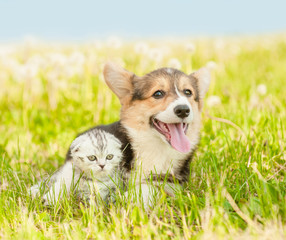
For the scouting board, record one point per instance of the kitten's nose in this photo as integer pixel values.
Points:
(102, 166)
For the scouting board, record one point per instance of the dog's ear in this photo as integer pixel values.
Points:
(203, 77)
(118, 80)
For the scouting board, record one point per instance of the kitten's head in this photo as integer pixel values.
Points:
(96, 153)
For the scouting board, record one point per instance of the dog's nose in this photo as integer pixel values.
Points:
(182, 111)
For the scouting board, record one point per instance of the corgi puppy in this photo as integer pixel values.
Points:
(159, 119)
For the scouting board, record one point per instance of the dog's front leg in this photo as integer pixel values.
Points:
(144, 194)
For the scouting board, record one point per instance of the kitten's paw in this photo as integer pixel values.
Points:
(45, 200)
(34, 191)
(48, 200)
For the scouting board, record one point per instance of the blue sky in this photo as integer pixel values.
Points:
(85, 19)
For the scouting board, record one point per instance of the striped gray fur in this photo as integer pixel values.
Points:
(101, 173)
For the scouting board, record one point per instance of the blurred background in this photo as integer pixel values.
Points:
(52, 55)
(74, 20)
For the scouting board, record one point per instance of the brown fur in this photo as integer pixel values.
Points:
(139, 106)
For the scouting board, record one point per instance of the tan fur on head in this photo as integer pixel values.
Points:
(127, 86)
(131, 89)
(120, 80)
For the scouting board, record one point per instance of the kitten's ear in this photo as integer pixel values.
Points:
(203, 77)
(118, 80)
(74, 147)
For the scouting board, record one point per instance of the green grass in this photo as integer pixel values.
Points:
(237, 188)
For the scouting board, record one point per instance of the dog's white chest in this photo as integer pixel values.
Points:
(154, 155)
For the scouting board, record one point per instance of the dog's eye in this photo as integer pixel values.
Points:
(92, 158)
(158, 94)
(109, 156)
(188, 92)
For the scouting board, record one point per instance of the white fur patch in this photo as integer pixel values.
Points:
(154, 153)
(169, 70)
(169, 116)
(177, 91)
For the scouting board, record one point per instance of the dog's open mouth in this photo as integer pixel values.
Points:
(175, 134)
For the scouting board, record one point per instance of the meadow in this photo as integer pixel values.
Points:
(237, 189)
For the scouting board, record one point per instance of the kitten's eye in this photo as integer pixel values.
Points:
(92, 158)
(109, 156)
(158, 94)
(188, 92)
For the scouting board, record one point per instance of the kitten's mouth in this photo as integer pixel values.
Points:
(174, 133)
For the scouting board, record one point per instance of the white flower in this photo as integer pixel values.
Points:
(141, 47)
(9, 63)
(156, 54)
(174, 63)
(97, 44)
(253, 101)
(31, 41)
(77, 58)
(6, 50)
(37, 61)
(52, 76)
(261, 89)
(25, 72)
(190, 47)
(213, 101)
(57, 59)
(211, 65)
(220, 44)
(114, 42)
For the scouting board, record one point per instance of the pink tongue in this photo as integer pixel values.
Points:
(179, 140)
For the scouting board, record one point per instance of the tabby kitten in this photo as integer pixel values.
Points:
(91, 167)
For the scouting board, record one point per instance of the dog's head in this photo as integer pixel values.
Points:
(166, 102)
